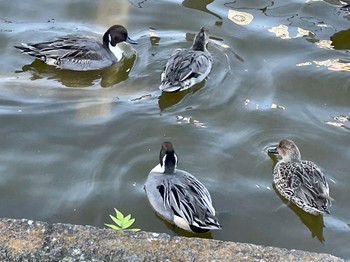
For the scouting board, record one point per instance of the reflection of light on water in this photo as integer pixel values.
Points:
(240, 18)
(88, 110)
(340, 121)
(326, 44)
(273, 105)
(303, 32)
(113, 12)
(152, 33)
(189, 120)
(331, 64)
(224, 45)
(334, 124)
(282, 32)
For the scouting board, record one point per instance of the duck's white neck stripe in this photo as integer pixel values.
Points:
(158, 169)
(164, 157)
(117, 52)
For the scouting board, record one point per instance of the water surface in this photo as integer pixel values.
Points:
(75, 145)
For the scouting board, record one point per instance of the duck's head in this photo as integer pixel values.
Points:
(287, 149)
(201, 40)
(168, 158)
(116, 34)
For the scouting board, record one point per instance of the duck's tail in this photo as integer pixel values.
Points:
(210, 223)
(325, 196)
(169, 87)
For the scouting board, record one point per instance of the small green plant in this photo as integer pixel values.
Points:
(122, 222)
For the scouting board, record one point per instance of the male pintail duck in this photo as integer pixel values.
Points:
(179, 197)
(187, 67)
(345, 7)
(81, 53)
(300, 181)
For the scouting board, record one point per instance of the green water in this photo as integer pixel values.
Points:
(75, 145)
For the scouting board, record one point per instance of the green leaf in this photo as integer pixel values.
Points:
(116, 221)
(128, 223)
(122, 222)
(119, 215)
(115, 227)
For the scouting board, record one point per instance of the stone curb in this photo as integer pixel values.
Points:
(26, 240)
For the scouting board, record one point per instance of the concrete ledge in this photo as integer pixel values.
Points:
(25, 240)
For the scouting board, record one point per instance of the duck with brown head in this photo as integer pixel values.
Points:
(187, 67)
(300, 181)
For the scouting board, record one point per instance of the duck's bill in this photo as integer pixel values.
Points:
(130, 41)
(272, 150)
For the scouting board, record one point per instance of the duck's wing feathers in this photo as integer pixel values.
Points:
(191, 201)
(308, 184)
(69, 48)
(185, 64)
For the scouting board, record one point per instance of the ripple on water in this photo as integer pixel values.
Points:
(72, 154)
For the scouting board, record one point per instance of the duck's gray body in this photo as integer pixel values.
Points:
(80, 53)
(301, 181)
(72, 53)
(181, 199)
(187, 67)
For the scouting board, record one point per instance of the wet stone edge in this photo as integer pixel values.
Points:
(27, 240)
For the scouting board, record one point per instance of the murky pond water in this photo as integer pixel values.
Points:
(75, 145)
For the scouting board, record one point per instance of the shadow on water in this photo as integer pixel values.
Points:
(341, 40)
(254, 5)
(168, 99)
(107, 77)
(181, 232)
(313, 223)
(200, 5)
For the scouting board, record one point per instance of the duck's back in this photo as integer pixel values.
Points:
(72, 52)
(304, 184)
(185, 68)
(154, 186)
(178, 194)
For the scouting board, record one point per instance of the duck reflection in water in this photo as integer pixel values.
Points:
(314, 223)
(166, 99)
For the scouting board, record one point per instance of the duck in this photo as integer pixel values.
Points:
(346, 6)
(301, 182)
(178, 196)
(187, 67)
(80, 53)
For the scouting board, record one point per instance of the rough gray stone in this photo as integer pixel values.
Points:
(26, 240)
